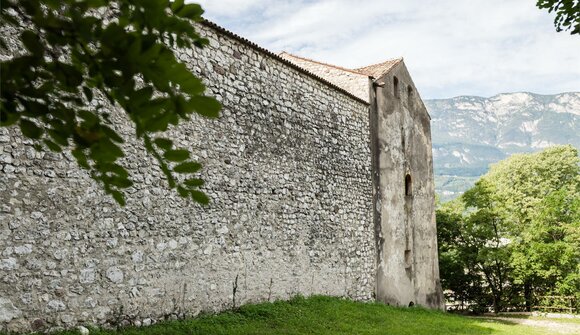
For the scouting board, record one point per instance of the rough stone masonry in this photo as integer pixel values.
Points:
(315, 187)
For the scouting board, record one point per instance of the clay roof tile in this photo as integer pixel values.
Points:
(378, 70)
(289, 55)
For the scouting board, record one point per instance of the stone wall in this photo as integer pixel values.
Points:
(288, 169)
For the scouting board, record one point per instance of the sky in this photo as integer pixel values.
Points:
(451, 47)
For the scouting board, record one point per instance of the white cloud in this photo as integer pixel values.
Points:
(230, 7)
(452, 47)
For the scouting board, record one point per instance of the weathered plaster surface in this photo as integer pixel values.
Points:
(287, 167)
(408, 269)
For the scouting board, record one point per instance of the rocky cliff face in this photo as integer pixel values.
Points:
(469, 133)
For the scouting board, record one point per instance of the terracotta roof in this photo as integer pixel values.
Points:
(277, 57)
(377, 70)
(286, 54)
(354, 82)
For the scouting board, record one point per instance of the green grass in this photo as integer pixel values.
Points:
(326, 315)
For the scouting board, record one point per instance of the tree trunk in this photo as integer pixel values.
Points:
(496, 304)
(528, 295)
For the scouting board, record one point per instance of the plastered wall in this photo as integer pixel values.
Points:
(404, 203)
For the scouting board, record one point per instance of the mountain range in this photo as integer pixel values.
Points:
(469, 133)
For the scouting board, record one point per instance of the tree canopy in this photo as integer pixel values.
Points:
(567, 14)
(516, 232)
(80, 52)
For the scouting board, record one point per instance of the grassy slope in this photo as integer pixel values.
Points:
(324, 315)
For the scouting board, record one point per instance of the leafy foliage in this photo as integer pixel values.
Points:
(459, 274)
(479, 252)
(542, 193)
(517, 231)
(81, 52)
(567, 14)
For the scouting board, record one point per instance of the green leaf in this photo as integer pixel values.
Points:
(105, 151)
(88, 93)
(188, 167)
(177, 5)
(30, 129)
(118, 196)
(114, 168)
(142, 96)
(160, 122)
(190, 11)
(178, 155)
(206, 106)
(150, 53)
(149, 108)
(95, 3)
(120, 182)
(52, 146)
(31, 7)
(72, 75)
(112, 134)
(201, 42)
(32, 43)
(163, 143)
(35, 109)
(188, 83)
(58, 136)
(81, 158)
(63, 113)
(53, 4)
(7, 118)
(111, 37)
(194, 182)
(134, 49)
(91, 118)
(183, 191)
(199, 197)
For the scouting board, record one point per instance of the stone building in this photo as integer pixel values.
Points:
(402, 171)
(321, 181)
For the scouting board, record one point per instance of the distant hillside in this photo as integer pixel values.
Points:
(469, 133)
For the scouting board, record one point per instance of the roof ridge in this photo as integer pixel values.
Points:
(398, 59)
(390, 62)
(322, 63)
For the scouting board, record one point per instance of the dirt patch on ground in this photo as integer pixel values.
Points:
(554, 326)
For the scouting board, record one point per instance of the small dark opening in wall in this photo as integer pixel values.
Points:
(411, 304)
(409, 92)
(408, 260)
(408, 185)
(396, 86)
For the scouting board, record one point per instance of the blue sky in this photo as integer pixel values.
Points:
(451, 47)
